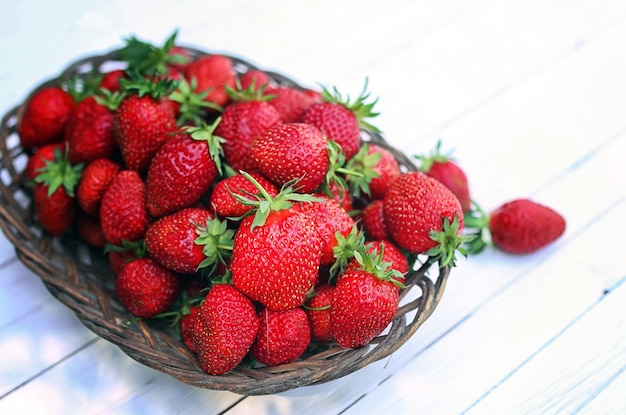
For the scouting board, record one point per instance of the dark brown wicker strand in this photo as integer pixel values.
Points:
(80, 278)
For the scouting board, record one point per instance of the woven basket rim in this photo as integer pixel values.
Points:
(80, 278)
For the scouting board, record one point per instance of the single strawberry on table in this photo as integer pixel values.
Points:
(224, 329)
(519, 226)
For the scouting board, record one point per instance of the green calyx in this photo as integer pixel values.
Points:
(338, 170)
(193, 105)
(344, 251)
(364, 163)
(154, 85)
(109, 99)
(263, 203)
(372, 262)
(436, 156)
(360, 107)
(448, 243)
(137, 248)
(60, 172)
(83, 85)
(217, 241)
(206, 132)
(251, 93)
(148, 58)
(477, 226)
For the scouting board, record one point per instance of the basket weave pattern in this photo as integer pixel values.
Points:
(80, 278)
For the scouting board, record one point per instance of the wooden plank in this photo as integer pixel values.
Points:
(572, 368)
(610, 400)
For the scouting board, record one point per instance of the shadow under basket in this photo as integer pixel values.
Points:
(80, 277)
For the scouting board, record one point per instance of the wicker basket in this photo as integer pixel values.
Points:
(80, 278)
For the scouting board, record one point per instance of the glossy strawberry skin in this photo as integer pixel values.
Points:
(453, 177)
(170, 240)
(294, 151)
(362, 307)
(95, 179)
(56, 212)
(146, 288)
(415, 205)
(111, 80)
(277, 263)
(240, 124)
(187, 323)
(254, 76)
(225, 205)
(140, 126)
(291, 102)
(123, 211)
(318, 312)
(180, 174)
(523, 226)
(89, 132)
(329, 218)
(373, 221)
(338, 124)
(212, 72)
(224, 329)
(283, 336)
(44, 117)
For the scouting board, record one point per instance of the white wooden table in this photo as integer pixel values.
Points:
(531, 95)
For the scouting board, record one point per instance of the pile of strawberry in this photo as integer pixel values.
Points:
(248, 212)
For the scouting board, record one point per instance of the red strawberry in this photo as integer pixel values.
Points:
(365, 301)
(90, 231)
(391, 254)
(121, 255)
(146, 288)
(224, 329)
(143, 122)
(424, 217)
(331, 222)
(290, 102)
(379, 168)
(111, 80)
(96, 178)
(254, 78)
(187, 323)
(276, 252)
(520, 226)
(225, 205)
(170, 240)
(317, 308)
(38, 159)
(340, 119)
(373, 220)
(283, 336)
(182, 170)
(123, 211)
(241, 122)
(444, 169)
(44, 117)
(89, 129)
(295, 151)
(213, 73)
(54, 197)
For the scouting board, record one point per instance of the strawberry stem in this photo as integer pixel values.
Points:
(449, 242)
